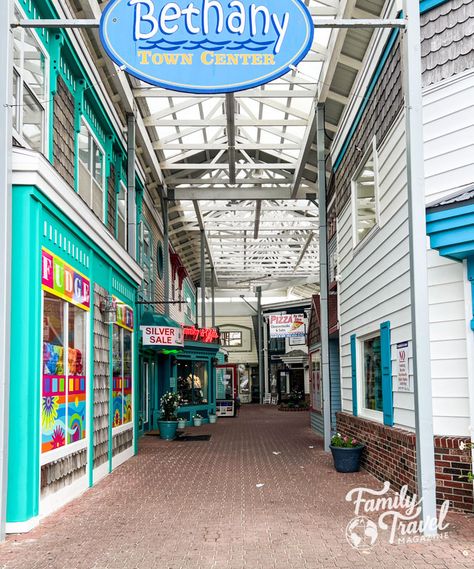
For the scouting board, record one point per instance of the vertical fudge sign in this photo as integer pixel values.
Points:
(207, 46)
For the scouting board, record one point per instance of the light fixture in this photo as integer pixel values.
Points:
(108, 307)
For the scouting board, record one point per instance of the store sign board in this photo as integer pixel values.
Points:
(204, 335)
(207, 46)
(162, 336)
(124, 315)
(62, 280)
(287, 325)
(403, 377)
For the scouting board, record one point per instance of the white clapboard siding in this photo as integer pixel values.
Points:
(247, 354)
(448, 111)
(375, 279)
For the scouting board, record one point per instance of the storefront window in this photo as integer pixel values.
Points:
(316, 391)
(193, 382)
(372, 374)
(122, 376)
(63, 417)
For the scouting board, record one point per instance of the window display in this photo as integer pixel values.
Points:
(316, 391)
(122, 376)
(63, 418)
(373, 374)
(192, 382)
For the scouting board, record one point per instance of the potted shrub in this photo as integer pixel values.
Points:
(212, 418)
(197, 420)
(346, 453)
(168, 423)
(181, 423)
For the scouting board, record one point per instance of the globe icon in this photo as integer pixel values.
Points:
(361, 533)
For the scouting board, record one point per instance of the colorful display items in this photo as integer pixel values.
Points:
(62, 280)
(207, 46)
(204, 335)
(287, 325)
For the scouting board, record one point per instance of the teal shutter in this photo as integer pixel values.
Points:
(354, 374)
(387, 389)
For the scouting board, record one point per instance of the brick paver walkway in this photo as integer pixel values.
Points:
(196, 505)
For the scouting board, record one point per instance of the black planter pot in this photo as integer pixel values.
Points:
(347, 459)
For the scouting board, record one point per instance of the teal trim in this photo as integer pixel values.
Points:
(354, 374)
(387, 386)
(427, 5)
(24, 402)
(111, 398)
(470, 277)
(90, 390)
(451, 231)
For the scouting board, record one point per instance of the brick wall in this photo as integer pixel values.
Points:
(390, 454)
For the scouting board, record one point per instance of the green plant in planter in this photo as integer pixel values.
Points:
(341, 441)
(169, 404)
(467, 446)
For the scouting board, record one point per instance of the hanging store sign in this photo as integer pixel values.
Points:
(207, 46)
(124, 315)
(162, 336)
(205, 335)
(287, 326)
(61, 279)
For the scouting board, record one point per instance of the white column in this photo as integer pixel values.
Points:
(418, 263)
(6, 14)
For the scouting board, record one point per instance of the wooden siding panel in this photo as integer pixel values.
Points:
(63, 133)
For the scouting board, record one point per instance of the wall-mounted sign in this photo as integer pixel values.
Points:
(287, 325)
(403, 377)
(124, 315)
(60, 279)
(162, 336)
(205, 335)
(207, 46)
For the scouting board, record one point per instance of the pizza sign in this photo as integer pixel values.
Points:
(287, 325)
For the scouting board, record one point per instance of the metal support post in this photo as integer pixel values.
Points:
(265, 356)
(6, 14)
(260, 342)
(418, 265)
(203, 279)
(166, 257)
(323, 278)
(213, 297)
(131, 189)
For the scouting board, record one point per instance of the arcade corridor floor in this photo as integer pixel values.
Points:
(260, 494)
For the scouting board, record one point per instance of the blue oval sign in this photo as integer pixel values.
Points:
(207, 46)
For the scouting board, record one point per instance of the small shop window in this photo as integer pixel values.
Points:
(316, 383)
(122, 376)
(193, 382)
(30, 88)
(146, 261)
(122, 215)
(232, 339)
(91, 171)
(364, 196)
(372, 374)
